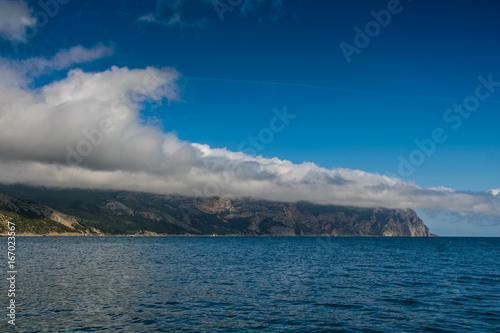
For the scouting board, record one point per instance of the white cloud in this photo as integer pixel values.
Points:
(21, 71)
(67, 58)
(150, 18)
(495, 192)
(85, 131)
(15, 17)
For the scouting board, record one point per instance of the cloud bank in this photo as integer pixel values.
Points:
(85, 131)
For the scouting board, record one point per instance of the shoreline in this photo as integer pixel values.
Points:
(229, 235)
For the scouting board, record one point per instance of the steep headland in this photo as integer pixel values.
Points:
(44, 211)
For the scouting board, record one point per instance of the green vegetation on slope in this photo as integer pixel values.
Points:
(39, 226)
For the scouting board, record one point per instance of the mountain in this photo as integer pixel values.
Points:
(50, 211)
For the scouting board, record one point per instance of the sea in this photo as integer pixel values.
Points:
(250, 284)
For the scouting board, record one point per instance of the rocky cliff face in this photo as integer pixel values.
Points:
(258, 217)
(112, 212)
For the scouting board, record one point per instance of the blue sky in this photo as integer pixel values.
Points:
(363, 115)
(425, 60)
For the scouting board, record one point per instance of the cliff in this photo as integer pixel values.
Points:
(90, 212)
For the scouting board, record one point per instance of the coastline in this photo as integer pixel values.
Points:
(190, 235)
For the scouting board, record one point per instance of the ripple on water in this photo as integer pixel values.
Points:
(227, 284)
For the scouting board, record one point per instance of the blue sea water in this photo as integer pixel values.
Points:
(232, 284)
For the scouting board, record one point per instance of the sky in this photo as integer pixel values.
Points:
(362, 103)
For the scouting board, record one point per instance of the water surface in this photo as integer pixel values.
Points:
(229, 284)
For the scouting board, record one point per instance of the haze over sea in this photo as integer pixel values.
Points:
(229, 284)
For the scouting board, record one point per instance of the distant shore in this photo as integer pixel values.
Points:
(229, 235)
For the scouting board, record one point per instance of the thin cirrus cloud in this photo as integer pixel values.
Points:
(173, 13)
(15, 17)
(85, 131)
(174, 20)
(178, 13)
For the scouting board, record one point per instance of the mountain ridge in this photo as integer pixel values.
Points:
(50, 211)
